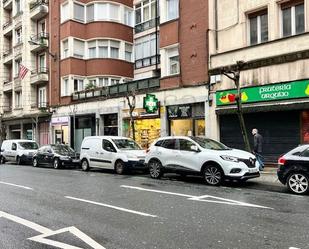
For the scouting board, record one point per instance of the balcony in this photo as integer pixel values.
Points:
(147, 62)
(39, 42)
(7, 56)
(17, 84)
(38, 9)
(39, 76)
(118, 90)
(7, 4)
(147, 25)
(7, 86)
(7, 108)
(7, 28)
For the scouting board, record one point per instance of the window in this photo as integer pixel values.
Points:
(17, 6)
(103, 82)
(65, 14)
(173, 61)
(79, 48)
(293, 19)
(169, 144)
(79, 12)
(101, 11)
(114, 11)
(17, 67)
(18, 35)
(114, 49)
(128, 17)
(108, 146)
(145, 47)
(185, 145)
(65, 90)
(258, 27)
(42, 97)
(78, 85)
(90, 13)
(14, 146)
(92, 49)
(172, 9)
(115, 81)
(145, 11)
(18, 100)
(42, 63)
(128, 52)
(92, 82)
(65, 49)
(103, 48)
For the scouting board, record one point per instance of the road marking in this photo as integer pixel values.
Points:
(46, 232)
(15, 185)
(203, 198)
(113, 207)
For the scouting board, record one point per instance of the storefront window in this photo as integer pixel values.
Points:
(111, 125)
(182, 127)
(146, 131)
(199, 127)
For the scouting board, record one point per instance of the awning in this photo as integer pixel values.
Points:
(265, 107)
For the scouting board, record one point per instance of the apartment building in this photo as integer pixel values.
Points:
(270, 40)
(23, 42)
(107, 49)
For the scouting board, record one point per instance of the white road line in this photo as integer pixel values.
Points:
(110, 206)
(15, 185)
(24, 222)
(202, 198)
(157, 191)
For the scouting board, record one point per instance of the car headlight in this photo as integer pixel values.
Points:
(230, 158)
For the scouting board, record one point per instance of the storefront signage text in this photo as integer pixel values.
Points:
(291, 90)
(183, 111)
(151, 103)
(60, 120)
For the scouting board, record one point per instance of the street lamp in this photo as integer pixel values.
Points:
(38, 44)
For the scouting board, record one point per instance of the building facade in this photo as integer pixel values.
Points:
(84, 57)
(24, 41)
(267, 41)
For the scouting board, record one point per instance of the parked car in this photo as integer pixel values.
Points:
(293, 169)
(111, 152)
(57, 155)
(18, 151)
(202, 156)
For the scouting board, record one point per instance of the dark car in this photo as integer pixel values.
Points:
(293, 169)
(57, 155)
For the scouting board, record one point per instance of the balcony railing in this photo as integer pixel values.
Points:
(41, 70)
(7, 24)
(147, 25)
(7, 53)
(38, 3)
(118, 90)
(41, 38)
(147, 62)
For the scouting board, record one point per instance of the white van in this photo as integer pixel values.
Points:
(111, 152)
(18, 151)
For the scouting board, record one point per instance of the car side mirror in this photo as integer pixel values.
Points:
(110, 149)
(194, 148)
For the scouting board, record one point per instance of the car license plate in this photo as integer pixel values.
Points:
(75, 161)
(253, 170)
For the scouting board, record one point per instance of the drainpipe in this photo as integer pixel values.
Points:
(157, 23)
(216, 25)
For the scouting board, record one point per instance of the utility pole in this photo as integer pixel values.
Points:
(234, 75)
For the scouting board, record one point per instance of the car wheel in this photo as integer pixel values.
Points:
(298, 183)
(56, 163)
(85, 165)
(155, 169)
(213, 175)
(119, 167)
(2, 160)
(18, 160)
(35, 162)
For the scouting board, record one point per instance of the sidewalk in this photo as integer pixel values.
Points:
(269, 176)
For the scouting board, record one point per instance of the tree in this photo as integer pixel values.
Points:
(131, 98)
(2, 129)
(234, 75)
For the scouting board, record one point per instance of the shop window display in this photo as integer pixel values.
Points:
(146, 131)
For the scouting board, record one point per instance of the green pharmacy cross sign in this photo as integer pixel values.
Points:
(281, 91)
(151, 103)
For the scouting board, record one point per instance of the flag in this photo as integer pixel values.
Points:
(22, 71)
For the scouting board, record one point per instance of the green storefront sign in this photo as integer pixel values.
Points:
(290, 90)
(151, 103)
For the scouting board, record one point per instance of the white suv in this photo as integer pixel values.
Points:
(200, 155)
(111, 152)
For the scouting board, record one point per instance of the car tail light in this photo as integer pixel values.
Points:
(281, 161)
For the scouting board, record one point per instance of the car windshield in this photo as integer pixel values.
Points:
(126, 144)
(62, 149)
(210, 144)
(29, 145)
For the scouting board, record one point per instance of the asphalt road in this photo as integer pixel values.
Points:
(45, 208)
